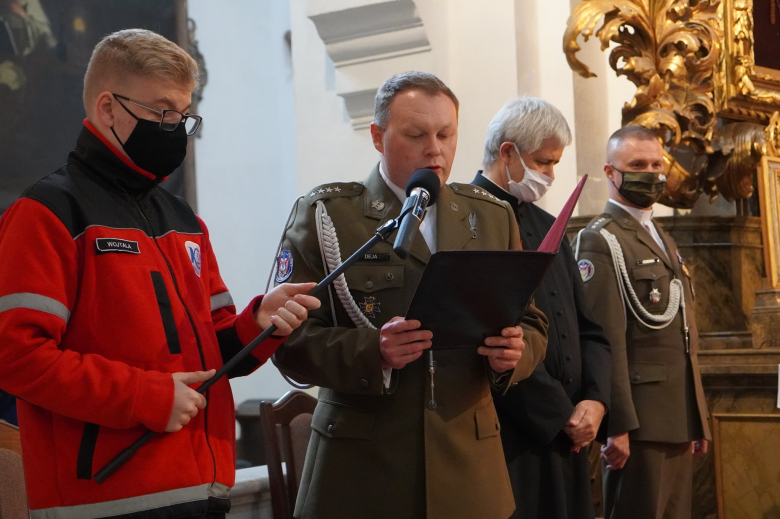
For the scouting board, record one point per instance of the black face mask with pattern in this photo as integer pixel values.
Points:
(153, 149)
(641, 188)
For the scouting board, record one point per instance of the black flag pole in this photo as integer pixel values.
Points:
(381, 234)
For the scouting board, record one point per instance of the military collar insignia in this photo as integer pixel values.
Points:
(376, 204)
(473, 225)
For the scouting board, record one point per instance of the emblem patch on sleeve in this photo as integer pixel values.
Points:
(193, 251)
(586, 269)
(370, 307)
(284, 266)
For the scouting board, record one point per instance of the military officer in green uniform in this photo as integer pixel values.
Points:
(641, 294)
(399, 431)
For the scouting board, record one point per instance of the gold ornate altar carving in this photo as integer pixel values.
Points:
(698, 87)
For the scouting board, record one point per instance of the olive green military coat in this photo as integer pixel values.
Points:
(378, 453)
(656, 386)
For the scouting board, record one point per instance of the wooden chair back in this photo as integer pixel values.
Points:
(13, 493)
(286, 428)
(10, 438)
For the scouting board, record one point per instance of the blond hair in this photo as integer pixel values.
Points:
(139, 53)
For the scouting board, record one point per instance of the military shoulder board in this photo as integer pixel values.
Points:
(477, 192)
(337, 189)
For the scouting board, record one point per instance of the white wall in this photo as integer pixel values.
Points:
(472, 51)
(245, 157)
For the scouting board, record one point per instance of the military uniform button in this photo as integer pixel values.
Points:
(652, 275)
(364, 383)
(553, 293)
(568, 357)
(455, 188)
(559, 313)
(432, 405)
(389, 276)
(637, 378)
(355, 187)
(330, 428)
(564, 336)
(369, 284)
(569, 380)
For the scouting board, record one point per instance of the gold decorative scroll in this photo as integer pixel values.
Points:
(670, 50)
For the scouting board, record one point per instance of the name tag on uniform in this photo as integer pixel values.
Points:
(105, 245)
(376, 256)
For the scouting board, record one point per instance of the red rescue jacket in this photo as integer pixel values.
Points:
(108, 284)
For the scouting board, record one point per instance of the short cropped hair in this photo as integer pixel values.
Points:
(139, 53)
(635, 132)
(412, 80)
(527, 122)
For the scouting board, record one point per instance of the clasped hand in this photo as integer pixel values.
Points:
(402, 342)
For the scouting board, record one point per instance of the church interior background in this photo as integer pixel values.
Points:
(287, 98)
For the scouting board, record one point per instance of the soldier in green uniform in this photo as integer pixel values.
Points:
(641, 294)
(399, 431)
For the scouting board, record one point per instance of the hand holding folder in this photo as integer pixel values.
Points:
(467, 296)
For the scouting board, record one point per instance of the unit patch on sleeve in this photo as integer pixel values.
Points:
(586, 269)
(104, 245)
(193, 251)
(284, 266)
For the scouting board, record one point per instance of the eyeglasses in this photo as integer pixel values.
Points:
(169, 119)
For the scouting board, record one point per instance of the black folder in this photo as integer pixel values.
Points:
(465, 296)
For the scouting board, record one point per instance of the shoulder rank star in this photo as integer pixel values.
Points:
(370, 307)
(655, 296)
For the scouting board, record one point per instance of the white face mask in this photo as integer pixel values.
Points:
(533, 186)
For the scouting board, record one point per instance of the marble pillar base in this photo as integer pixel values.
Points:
(765, 319)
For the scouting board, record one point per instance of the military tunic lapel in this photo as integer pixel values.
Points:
(628, 222)
(452, 221)
(382, 204)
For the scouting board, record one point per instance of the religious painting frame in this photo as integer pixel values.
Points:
(769, 199)
(749, 91)
(45, 46)
(745, 471)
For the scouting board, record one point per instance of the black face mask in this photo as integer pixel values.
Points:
(641, 188)
(152, 148)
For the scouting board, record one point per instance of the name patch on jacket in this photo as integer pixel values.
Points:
(376, 256)
(105, 245)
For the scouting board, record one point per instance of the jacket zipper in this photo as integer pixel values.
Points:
(194, 330)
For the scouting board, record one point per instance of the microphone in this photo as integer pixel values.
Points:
(422, 191)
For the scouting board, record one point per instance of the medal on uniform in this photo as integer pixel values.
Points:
(370, 307)
(655, 296)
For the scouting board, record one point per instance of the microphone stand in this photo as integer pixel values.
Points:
(381, 234)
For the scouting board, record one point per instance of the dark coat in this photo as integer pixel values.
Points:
(549, 481)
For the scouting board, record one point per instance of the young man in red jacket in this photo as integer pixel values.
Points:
(112, 305)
